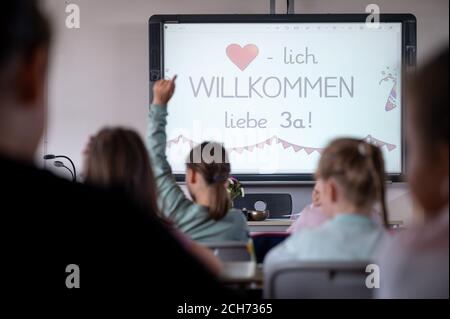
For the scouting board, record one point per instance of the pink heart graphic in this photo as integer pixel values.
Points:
(242, 56)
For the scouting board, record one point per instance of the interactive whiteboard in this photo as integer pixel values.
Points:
(275, 93)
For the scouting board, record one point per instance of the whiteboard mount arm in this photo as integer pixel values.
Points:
(290, 6)
(272, 6)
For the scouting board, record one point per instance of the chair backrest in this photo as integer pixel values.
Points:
(317, 280)
(278, 205)
(231, 251)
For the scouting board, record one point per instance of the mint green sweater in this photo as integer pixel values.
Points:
(190, 218)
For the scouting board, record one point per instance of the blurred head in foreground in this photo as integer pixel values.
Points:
(427, 136)
(117, 157)
(24, 45)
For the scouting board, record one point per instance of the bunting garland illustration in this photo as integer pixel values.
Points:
(275, 140)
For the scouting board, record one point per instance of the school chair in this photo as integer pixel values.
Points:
(317, 280)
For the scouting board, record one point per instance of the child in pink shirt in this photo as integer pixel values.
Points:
(312, 215)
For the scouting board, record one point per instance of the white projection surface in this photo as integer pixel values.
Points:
(276, 94)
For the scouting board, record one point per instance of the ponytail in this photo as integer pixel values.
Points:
(211, 161)
(377, 168)
(220, 201)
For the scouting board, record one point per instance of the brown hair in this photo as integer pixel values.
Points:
(358, 167)
(211, 161)
(117, 157)
(23, 30)
(431, 107)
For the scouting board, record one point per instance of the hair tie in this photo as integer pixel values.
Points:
(362, 149)
(219, 178)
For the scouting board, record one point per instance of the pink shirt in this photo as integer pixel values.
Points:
(311, 216)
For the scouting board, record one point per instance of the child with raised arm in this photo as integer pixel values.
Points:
(208, 217)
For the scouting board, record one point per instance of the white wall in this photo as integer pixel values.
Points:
(99, 73)
(432, 17)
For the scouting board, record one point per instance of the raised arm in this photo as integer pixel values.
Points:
(171, 198)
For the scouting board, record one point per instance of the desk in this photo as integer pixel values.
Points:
(270, 225)
(242, 273)
(281, 225)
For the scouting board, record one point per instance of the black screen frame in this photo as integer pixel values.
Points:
(409, 61)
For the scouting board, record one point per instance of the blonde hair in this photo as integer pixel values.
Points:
(358, 168)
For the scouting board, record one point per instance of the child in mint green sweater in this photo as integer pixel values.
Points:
(209, 217)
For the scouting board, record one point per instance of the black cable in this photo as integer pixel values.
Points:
(73, 165)
(73, 177)
(51, 157)
(60, 164)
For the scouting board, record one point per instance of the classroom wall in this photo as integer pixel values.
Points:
(99, 73)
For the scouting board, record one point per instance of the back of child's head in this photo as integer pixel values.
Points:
(358, 169)
(117, 157)
(210, 160)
